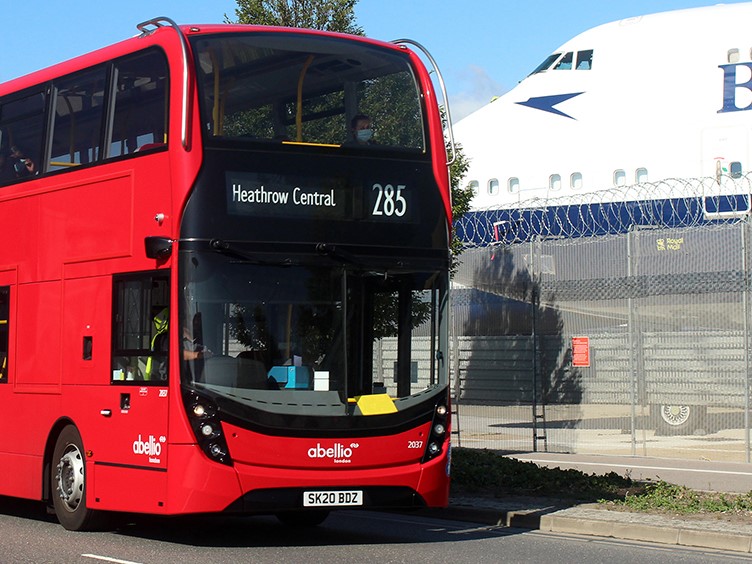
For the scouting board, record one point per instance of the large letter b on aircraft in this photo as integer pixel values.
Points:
(730, 86)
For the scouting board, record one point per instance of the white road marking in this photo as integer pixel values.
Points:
(108, 559)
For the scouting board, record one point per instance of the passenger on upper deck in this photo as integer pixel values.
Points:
(361, 132)
(22, 165)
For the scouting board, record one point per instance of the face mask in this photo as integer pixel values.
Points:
(364, 135)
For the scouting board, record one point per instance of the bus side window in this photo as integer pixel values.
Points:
(4, 331)
(140, 104)
(22, 126)
(79, 107)
(140, 323)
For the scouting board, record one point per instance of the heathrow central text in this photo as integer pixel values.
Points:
(279, 197)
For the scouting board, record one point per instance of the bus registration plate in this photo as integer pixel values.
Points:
(333, 499)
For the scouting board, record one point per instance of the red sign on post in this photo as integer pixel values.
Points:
(580, 351)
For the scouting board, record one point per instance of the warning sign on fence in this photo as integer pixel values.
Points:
(580, 351)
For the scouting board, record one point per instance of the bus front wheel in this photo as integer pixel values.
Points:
(68, 483)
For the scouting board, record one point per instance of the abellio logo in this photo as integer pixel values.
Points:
(338, 453)
(150, 447)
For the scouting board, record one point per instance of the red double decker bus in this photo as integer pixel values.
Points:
(215, 296)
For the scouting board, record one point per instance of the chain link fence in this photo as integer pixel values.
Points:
(617, 324)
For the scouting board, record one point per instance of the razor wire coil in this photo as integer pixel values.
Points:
(669, 203)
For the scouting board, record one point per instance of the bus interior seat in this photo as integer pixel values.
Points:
(220, 370)
(251, 374)
(148, 146)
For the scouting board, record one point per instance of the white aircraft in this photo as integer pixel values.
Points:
(636, 101)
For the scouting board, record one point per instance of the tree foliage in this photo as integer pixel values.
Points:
(327, 15)
(462, 194)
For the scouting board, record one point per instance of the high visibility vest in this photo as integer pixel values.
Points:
(161, 324)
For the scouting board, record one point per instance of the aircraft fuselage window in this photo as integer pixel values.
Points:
(575, 181)
(554, 182)
(493, 187)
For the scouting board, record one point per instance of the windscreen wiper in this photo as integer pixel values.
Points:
(227, 249)
(332, 251)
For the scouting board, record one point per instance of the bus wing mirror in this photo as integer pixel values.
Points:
(158, 247)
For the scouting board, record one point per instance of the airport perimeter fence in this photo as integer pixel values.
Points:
(617, 325)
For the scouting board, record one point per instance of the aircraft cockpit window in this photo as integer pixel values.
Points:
(545, 65)
(565, 63)
(557, 61)
(584, 60)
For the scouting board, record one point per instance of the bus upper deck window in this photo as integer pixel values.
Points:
(79, 107)
(295, 90)
(23, 127)
(140, 116)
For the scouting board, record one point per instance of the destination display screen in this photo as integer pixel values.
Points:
(291, 196)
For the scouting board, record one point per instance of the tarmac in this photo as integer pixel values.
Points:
(700, 531)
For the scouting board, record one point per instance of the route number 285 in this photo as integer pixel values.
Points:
(389, 200)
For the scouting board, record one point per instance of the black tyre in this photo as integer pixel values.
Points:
(310, 518)
(68, 483)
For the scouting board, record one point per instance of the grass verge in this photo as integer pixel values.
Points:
(487, 473)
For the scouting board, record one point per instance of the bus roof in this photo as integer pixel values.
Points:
(159, 37)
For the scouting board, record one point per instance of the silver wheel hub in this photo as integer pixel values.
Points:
(70, 478)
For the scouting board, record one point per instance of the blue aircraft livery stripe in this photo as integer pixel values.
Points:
(547, 103)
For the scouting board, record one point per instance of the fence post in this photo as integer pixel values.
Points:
(456, 386)
(638, 385)
(538, 399)
(744, 226)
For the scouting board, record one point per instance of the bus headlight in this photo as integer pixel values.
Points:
(203, 414)
(438, 434)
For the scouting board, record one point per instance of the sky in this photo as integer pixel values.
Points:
(483, 47)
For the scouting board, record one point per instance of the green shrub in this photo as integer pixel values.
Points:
(670, 498)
